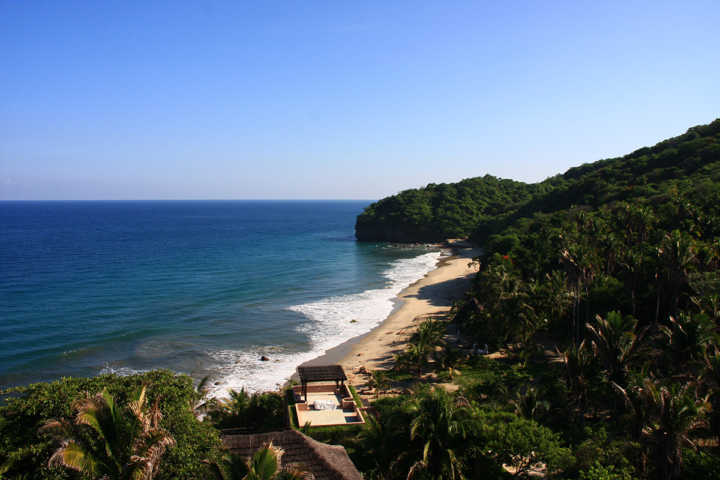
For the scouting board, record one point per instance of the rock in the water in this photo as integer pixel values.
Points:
(264, 359)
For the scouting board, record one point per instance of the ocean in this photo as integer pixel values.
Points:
(198, 287)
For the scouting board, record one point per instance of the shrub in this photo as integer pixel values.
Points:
(25, 452)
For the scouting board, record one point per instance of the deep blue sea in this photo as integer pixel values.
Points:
(199, 287)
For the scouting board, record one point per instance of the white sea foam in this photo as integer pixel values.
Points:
(330, 324)
(121, 371)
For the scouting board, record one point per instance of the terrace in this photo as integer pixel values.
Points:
(324, 403)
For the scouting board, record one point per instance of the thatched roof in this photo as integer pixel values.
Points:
(325, 462)
(321, 373)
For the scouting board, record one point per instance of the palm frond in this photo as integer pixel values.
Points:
(72, 455)
(415, 469)
(264, 463)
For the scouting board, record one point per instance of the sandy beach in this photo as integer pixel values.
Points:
(431, 295)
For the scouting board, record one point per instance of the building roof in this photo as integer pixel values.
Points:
(323, 461)
(321, 373)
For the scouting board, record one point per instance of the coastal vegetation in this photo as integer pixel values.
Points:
(485, 206)
(106, 440)
(440, 211)
(110, 425)
(259, 412)
(263, 465)
(597, 296)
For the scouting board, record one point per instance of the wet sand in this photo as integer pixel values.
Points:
(432, 295)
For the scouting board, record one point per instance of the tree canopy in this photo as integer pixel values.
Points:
(483, 206)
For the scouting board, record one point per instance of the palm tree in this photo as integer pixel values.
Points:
(579, 263)
(663, 416)
(676, 254)
(417, 353)
(383, 440)
(707, 302)
(200, 403)
(229, 467)
(106, 441)
(231, 411)
(429, 332)
(673, 412)
(423, 342)
(686, 338)
(440, 425)
(500, 285)
(528, 404)
(633, 224)
(379, 381)
(529, 318)
(580, 370)
(711, 379)
(263, 465)
(253, 412)
(451, 358)
(615, 342)
(635, 403)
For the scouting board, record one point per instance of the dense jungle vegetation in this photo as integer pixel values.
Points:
(437, 212)
(598, 297)
(479, 207)
(602, 291)
(152, 425)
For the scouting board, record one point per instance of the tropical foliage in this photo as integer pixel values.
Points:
(441, 211)
(105, 424)
(256, 412)
(265, 464)
(600, 289)
(106, 440)
(485, 206)
(598, 295)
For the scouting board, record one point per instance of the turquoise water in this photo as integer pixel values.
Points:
(200, 287)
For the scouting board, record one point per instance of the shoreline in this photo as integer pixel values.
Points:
(432, 294)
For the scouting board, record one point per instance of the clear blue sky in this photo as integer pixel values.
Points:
(269, 99)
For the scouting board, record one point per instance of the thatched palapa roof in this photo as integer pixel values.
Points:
(323, 461)
(321, 373)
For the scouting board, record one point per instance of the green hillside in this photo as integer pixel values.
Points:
(440, 211)
(481, 206)
(598, 293)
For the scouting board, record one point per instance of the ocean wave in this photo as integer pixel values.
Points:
(121, 371)
(331, 321)
(244, 369)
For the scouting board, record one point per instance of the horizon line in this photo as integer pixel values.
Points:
(189, 200)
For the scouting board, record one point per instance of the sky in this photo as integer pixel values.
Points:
(337, 100)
